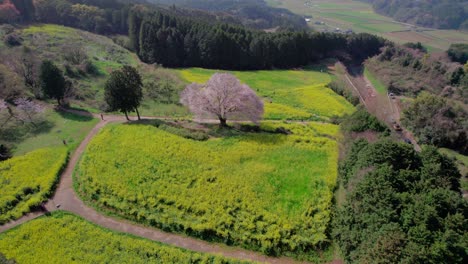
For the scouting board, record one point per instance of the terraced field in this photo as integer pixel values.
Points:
(65, 238)
(288, 94)
(265, 191)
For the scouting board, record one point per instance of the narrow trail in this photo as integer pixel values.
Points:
(65, 198)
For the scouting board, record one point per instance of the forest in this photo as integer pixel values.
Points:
(252, 13)
(402, 206)
(173, 40)
(443, 14)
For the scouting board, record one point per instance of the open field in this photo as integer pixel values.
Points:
(359, 16)
(266, 191)
(65, 238)
(58, 126)
(287, 94)
(27, 181)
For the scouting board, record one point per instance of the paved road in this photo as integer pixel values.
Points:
(65, 198)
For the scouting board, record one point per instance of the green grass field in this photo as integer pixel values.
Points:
(264, 191)
(27, 181)
(287, 94)
(59, 126)
(378, 85)
(65, 238)
(360, 17)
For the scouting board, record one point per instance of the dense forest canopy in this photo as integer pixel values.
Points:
(174, 41)
(253, 13)
(402, 206)
(444, 14)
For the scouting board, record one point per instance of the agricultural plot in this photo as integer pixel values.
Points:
(360, 17)
(287, 94)
(66, 238)
(27, 181)
(265, 191)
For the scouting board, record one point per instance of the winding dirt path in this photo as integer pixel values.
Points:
(65, 198)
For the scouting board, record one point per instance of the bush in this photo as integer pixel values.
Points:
(12, 40)
(361, 121)
(5, 152)
(339, 88)
(458, 52)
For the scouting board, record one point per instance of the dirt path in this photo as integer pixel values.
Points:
(65, 198)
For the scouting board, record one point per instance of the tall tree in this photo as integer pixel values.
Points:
(52, 81)
(123, 91)
(223, 97)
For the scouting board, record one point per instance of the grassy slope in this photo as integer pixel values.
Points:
(65, 238)
(59, 127)
(288, 94)
(379, 86)
(348, 14)
(50, 41)
(247, 189)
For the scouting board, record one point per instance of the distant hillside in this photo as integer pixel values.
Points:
(443, 14)
(253, 13)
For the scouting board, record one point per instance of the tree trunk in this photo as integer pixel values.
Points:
(222, 122)
(126, 115)
(138, 113)
(58, 101)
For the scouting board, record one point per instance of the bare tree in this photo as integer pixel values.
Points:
(28, 110)
(223, 97)
(3, 105)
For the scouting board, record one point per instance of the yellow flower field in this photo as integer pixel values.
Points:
(265, 191)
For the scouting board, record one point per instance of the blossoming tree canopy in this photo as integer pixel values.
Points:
(223, 97)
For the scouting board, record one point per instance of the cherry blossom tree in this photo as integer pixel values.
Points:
(223, 97)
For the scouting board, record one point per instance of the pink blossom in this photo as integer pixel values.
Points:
(223, 97)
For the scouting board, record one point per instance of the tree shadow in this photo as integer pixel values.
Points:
(78, 115)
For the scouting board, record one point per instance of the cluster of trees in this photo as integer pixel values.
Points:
(446, 14)
(98, 16)
(251, 13)
(402, 206)
(409, 71)
(458, 52)
(438, 121)
(173, 41)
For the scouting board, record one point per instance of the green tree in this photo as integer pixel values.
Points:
(52, 81)
(123, 91)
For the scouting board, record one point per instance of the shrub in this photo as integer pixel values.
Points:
(361, 121)
(12, 40)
